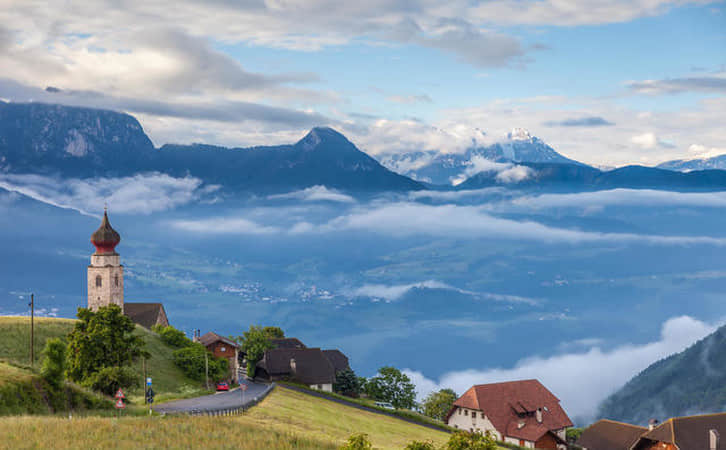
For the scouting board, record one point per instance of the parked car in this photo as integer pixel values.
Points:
(223, 386)
(384, 405)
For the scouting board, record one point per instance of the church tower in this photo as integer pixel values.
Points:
(105, 274)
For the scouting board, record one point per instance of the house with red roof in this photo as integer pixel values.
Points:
(522, 412)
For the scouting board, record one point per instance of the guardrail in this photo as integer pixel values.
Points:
(230, 411)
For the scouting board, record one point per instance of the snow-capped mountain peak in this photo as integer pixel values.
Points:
(519, 134)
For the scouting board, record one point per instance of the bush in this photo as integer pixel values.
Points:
(358, 441)
(53, 369)
(420, 445)
(172, 337)
(109, 379)
(462, 440)
(190, 360)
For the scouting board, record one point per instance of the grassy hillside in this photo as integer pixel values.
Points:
(693, 381)
(22, 391)
(148, 432)
(284, 420)
(168, 381)
(287, 410)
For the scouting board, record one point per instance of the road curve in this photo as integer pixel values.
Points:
(219, 401)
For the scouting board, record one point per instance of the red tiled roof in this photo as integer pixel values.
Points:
(512, 406)
(610, 435)
(211, 337)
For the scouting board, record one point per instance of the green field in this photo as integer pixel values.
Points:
(284, 420)
(168, 381)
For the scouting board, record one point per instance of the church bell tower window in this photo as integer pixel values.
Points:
(115, 280)
(99, 282)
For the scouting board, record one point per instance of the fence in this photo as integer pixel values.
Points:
(229, 411)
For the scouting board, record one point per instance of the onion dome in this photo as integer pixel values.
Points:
(105, 238)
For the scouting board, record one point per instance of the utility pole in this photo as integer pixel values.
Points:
(143, 382)
(32, 329)
(206, 367)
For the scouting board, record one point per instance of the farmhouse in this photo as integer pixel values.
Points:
(223, 347)
(106, 280)
(292, 360)
(685, 433)
(518, 412)
(610, 435)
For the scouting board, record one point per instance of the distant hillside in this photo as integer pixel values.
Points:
(686, 165)
(690, 382)
(578, 177)
(85, 143)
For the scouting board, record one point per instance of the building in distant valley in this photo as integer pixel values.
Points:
(223, 347)
(523, 412)
(106, 280)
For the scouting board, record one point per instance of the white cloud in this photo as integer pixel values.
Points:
(580, 380)
(649, 141)
(220, 225)
(514, 174)
(395, 292)
(316, 194)
(622, 197)
(143, 194)
(698, 151)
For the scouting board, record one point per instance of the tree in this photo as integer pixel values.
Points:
(273, 332)
(462, 440)
(358, 441)
(346, 383)
(254, 342)
(172, 337)
(54, 362)
(437, 404)
(102, 339)
(420, 445)
(109, 379)
(191, 360)
(390, 385)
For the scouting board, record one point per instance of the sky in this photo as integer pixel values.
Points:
(608, 83)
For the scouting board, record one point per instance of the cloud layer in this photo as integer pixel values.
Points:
(581, 380)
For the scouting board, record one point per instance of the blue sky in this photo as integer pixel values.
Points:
(393, 75)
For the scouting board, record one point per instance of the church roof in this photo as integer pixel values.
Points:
(105, 238)
(144, 314)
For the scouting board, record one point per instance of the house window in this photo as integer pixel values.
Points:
(115, 280)
(473, 414)
(466, 412)
(224, 349)
(459, 411)
(99, 281)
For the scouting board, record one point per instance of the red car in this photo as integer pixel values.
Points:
(223, 386)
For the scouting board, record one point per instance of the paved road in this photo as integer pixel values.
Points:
(221, 400)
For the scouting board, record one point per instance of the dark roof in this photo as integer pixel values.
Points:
(144, 314)
(287, 343)
(210, 338)
(610, 435)
(311, 365)
(337, 359)
(687, 433)
(503, 403)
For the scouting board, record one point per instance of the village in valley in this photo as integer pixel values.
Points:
(245, 370)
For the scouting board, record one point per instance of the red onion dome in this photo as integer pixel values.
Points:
(105, 238)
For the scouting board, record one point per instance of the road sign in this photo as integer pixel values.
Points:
(120, 394)
(148, 381)
(243, 387)
(120, 404)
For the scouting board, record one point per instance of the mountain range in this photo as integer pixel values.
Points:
(690, 382)
(686, 165)
(82, 142)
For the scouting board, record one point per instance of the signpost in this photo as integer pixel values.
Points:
(243, 388)
(120, 401)
(149, 394)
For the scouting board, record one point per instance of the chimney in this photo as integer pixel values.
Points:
(713, 439)
(539, 415)
(293, 366)
(652, 423)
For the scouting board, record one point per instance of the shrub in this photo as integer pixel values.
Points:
(420, 445)
(172, 337)
(53, 369)
(358, 441)
(190, 360)
(462, 440)
(109, 379)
